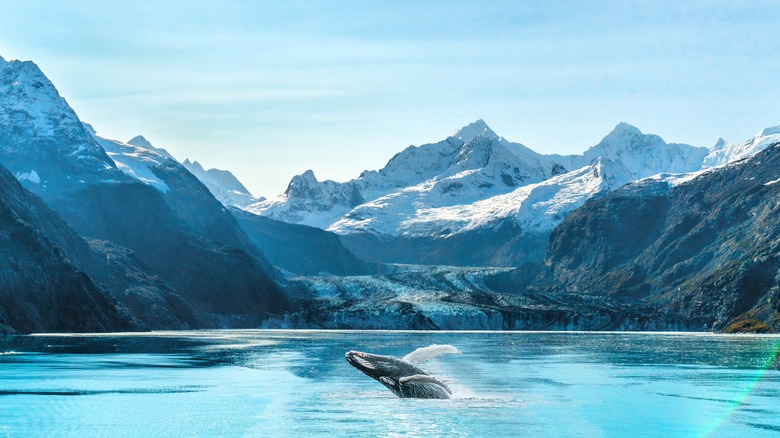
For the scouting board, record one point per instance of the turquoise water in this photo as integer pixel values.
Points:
(285, 383)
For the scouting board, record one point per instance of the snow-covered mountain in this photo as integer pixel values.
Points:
(474, 179)
(42, 141)
(476, 182)
(537, 206)
(646, 154)
(138, 157)
(709, 247)
(723, 152)
(462, 168)
(134, 161)
(223, 185)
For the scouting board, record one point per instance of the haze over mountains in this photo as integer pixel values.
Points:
(474, 231)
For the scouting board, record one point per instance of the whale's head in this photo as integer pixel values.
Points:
(377, 366)
(398, 375)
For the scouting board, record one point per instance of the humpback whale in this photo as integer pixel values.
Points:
(401, 375)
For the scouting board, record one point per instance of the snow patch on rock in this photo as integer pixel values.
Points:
(773, 182)
(31, 176)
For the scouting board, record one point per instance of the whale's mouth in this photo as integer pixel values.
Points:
(375, 365)
(359, 360)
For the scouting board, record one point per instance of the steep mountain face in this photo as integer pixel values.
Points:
(147, 203)
(302, 250)
(150, 299)
(296, 249)
(474, 199)
(42, 288)
(708, 248)
(223, 185)
(42, 141)
(134, 161)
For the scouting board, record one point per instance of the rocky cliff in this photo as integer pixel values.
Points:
(43, 288)
(708, 248)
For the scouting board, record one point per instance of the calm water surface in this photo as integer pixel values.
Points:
(285, 383)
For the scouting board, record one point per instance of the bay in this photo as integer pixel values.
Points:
(297, 383)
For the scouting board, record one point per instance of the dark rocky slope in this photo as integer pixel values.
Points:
(708, 249)
(42, 287)
(228, 285)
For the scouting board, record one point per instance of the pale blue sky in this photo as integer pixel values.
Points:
(270, 89)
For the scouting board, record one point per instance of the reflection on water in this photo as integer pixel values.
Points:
(284, 383)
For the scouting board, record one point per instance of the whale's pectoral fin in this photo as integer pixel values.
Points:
(429, 352)
(422, 378)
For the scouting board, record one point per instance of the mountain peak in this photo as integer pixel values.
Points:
(720, 144)
(193, 165)
(624, 128)
(222, 184)
(309, 175)
(39, 122)
(621, 135)
(770, 131)
(302, 185)
(476, 129)
(140, 141)
(646, 154)
(28, 83)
